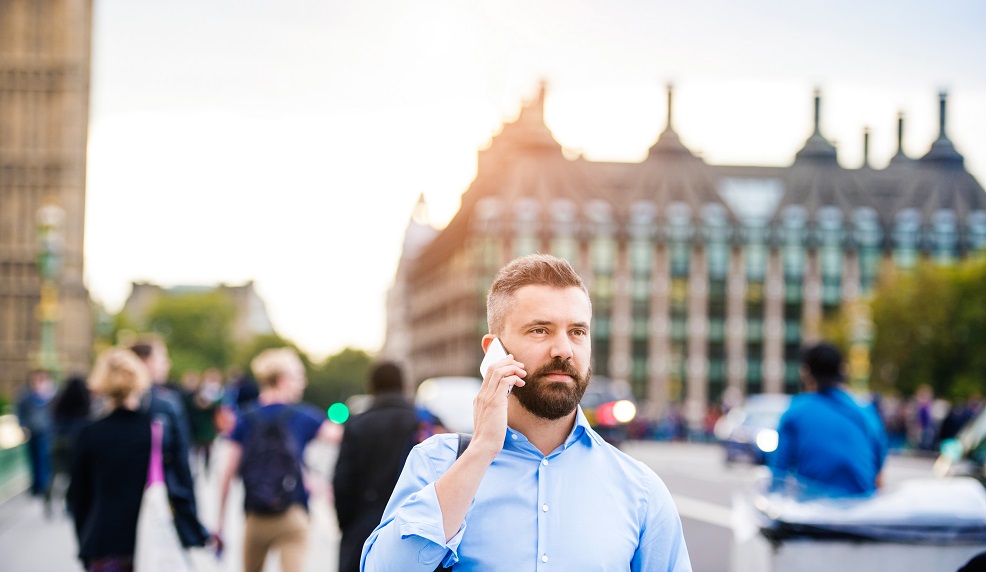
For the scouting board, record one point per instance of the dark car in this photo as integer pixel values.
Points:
(749, 431)
(609, 407)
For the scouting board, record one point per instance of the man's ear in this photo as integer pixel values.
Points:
(487, 340)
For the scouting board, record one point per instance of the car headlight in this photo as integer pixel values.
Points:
(767, 440)
(624, 411)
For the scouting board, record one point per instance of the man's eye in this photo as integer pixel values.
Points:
(579, 332)
(539, 331)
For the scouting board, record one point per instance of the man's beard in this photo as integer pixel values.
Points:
(552, 399)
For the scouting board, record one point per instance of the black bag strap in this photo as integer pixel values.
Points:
(463, 442)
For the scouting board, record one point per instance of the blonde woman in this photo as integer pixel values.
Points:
(109, 467)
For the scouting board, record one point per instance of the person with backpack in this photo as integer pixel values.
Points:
(266, 450)
(374, 446)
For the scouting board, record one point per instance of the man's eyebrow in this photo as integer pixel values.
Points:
(534, 323)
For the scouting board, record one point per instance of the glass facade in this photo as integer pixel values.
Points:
(564, 230)
(641, 254)
(830, 240)
(868, 240)
(755, 251)
(718, 246)
(976, 232)
(602, 257)
(793, 235)
(944, 237)
(679, 243)
(907, 238)
(527, 231)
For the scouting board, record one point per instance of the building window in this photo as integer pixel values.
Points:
(944, 236)
(906, 237)
(868, 236)
(641, 256)
(976, 232)
(564, 230)
(603, 253)
(565, 247)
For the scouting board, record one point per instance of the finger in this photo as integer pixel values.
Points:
(488, 378)
(501, 369)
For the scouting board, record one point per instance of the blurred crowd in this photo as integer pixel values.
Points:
(917, 424)
(52, 414)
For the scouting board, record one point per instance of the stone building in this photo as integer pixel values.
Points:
(44, 110)
(250, 318)
(703, 277)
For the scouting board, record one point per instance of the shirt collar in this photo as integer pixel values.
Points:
(581, 431)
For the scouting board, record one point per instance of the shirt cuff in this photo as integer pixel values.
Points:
(417, 518)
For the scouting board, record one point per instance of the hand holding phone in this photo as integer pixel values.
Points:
(494, 354)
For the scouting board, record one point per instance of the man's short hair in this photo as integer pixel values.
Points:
(386, 377)
(272, 363)
(824, 363)
(530, 270)
(118, 373)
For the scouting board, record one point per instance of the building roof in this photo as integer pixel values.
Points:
(524, 167)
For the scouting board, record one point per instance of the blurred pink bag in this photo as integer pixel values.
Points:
(158, 548)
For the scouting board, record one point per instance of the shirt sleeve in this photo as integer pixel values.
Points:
(411, 534)
(662, 540)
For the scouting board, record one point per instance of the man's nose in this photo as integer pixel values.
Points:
(561, 346)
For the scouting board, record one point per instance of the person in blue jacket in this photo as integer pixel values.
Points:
(829, 444)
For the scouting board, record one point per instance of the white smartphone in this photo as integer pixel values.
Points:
(494, 354)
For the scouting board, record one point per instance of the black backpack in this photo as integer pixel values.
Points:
(271, 464)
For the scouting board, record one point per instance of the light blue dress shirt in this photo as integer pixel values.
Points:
(586, 506)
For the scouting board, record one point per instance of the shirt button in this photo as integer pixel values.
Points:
(513, 436)
(544, 508)
(544, 462)
(544, 558)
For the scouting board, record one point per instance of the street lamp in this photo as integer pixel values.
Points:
(50, 219)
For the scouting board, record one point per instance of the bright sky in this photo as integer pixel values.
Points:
(286, 141)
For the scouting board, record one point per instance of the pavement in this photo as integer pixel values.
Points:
(32, 541)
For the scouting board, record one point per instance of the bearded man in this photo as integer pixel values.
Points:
(537, 488)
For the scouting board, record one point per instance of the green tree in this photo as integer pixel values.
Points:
(931, 329)
(198, 328)
(340, 376)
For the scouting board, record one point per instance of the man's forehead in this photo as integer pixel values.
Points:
(548, 304)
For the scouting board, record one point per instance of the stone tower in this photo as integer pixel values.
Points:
(45, 50)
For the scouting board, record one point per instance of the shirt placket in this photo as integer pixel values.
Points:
(543, 511)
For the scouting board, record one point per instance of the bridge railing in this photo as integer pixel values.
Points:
(14, 472)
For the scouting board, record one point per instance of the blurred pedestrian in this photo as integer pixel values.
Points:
(924, 428)
(828, 442)
(34, 416)
(166, 406)
(110, 463)
(375, 445)
(70, 413)
(266, 449)
(241, 390)
(202, 402)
